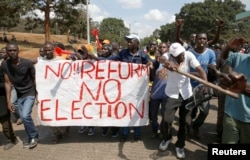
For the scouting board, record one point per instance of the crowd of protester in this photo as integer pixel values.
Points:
(169, 90)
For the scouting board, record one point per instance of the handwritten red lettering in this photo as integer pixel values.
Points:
(74, 109)
(99, 70)
(43, 109)
(87, 68)
(116, 85)
(57, 109)
(84, 85)
(56, 73)
(112, 70)
(95, 91)
(117, 108)
(145, 68)
(83, 111)
(136, 70)
(131, 107)
(101, 108)
(66, 70)
(121, 73)
(109, 113)
(94, 70)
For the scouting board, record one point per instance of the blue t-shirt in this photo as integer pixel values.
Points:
(205, 58)
(239, 108)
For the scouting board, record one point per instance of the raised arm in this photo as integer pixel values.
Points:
(235, 82)
(178, 24)
(220, 24)
(233, 44)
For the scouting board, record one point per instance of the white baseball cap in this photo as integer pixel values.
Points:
(176, 49)
(132, 36)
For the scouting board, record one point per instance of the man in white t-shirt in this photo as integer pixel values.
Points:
(179, 93)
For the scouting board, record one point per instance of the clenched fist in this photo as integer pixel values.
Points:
(235, 82)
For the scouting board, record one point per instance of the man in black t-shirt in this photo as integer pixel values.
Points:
(20, 73)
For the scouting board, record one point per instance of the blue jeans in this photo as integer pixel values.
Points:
(25, 106)
(137, 131)
(154, 105)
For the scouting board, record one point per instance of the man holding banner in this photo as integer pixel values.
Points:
(50, 57)
(132, 55)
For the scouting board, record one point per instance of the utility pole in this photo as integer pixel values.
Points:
(56, 27)
(87, 7)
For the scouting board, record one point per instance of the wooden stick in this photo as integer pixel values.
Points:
(218, 88)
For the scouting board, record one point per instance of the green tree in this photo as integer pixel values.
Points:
(167, 32)
(64, 11)
(32, 23)
(72, 19)
(200, 17)
(10, 12)
(113, 29)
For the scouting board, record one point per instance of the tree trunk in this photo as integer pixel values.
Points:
(47, 21)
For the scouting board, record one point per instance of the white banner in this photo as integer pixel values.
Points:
(87, 93)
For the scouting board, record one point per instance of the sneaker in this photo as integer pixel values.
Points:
(82, 130)
(115, 134)
(26, 144)
(10, 144)
(91, 132)
(180, 152)
(104, 133)
(33, 143)
(164, 144)
(19, 121)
